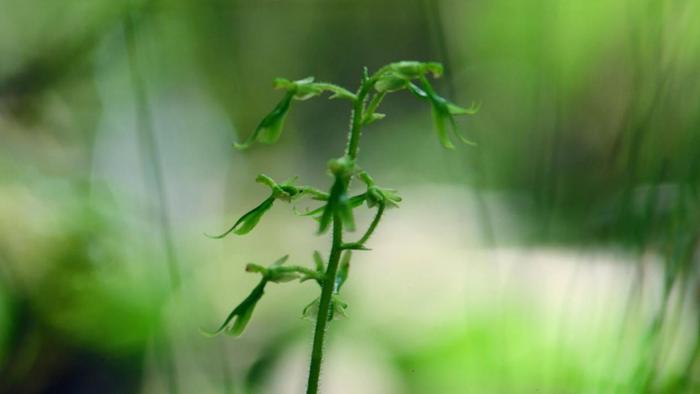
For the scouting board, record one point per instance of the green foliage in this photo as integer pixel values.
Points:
(270, 128)
(237, 320)
(337, 212)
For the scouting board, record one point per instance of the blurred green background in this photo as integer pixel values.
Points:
(560, 255)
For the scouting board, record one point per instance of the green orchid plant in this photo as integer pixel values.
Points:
(336, 209)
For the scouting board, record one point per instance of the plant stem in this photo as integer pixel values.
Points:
(373, 225)
(149, 152)
(324, 307)
(153, 168)
(356, 122)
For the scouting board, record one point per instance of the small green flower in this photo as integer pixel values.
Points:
(338, 201)
(338, 204)
(277, 272)
(442, 112)
(286, 191)
(377, 195)
(303, 89)
(343, 271)
(390, 82)
(337, 310)
(238, 319)
(270, 128)
(306, 88)
(397, 76)
(249, 220)
(380, 196)
(413, 69)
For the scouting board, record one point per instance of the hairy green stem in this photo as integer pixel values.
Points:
(324, 307)
(356, 122)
